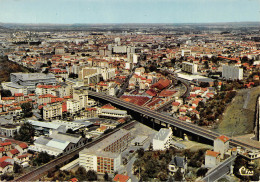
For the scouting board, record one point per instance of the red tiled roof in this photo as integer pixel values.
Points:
(23, 145)
(14, 151)
(4, 164)
(4, 158)
(18, 94)
(175, 103)
(223, 138)
(161, 84)
(108, 106)
(74, 180)
(121, 178)
(151, 92)
(22, 156)
(6, 143)
(212, 153)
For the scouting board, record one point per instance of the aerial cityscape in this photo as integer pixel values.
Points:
(130, 91)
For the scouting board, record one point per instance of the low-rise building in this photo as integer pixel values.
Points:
(178, 163)
(221, 145)
(212, 158)
(162, 139)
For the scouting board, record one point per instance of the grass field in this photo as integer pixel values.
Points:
(236, 119)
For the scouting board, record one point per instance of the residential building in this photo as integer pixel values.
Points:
(52, 111)
(106, 155)
(232, 72)
(212, 158)
(189, 67)
(221, 145)
(178, 163)
(162, 139)
(81, 94)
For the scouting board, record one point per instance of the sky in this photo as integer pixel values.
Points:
(128, 11)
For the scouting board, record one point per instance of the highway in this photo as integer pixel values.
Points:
(192, 128)
(220, 170)
(38, 172)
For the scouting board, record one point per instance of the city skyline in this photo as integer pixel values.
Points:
(126, 11)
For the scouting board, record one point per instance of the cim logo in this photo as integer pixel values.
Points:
(245, 172)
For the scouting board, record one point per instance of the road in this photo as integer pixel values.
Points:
(200, 131)
(221, 170)
(129, 169)
(38, 172)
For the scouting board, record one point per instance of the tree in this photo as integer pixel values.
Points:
(27, 109)
(140, 152)
(17, 168)
(6, 93)
(202, 171)
(42, 158)
(81, 173)
(25, 133)
(106, 177)
(178, 176)
(49, 63)
(91, 175)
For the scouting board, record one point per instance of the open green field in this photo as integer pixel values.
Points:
(239, 116)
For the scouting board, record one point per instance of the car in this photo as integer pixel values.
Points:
(131, 151)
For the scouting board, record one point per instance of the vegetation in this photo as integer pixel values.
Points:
(42, 158)
(154, 164)
(17, 168)
(8, 67)
(6, 93)
(214, 107)
(25, 133)
(239, 116)
(27, 109)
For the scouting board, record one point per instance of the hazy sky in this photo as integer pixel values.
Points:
(128, 11)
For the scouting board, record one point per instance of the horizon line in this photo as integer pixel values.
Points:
(127, 23)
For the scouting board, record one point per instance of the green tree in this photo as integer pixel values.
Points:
(17, 168)
(202, 171)
(42, 158)
(27, 109)
(178, 176)
(140, 152)
(91, 175)
(25, 133)
(106, 177)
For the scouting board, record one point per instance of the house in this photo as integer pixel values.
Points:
(178, 163)
(6, 167)
(212, 159)
(6, 145)
(7, 159)
(221, 145)
(22, 158)
(122, 178)
(22, 148)
(12, 153)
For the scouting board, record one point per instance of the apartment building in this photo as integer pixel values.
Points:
(106, 155)
(232, 72)
(189, 67)
(162, 139)
(52, 111)
(81, 94)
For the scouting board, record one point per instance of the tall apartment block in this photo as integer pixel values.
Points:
(106, 155)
